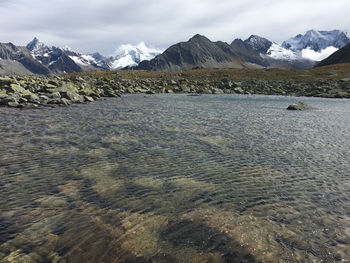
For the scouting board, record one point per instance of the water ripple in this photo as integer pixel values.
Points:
(176, 179)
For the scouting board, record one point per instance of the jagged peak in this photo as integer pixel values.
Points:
(31, 45)
(197, 37)
(258, 43)
(35, 44)
(256, 38)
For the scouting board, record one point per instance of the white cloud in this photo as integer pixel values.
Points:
(308, 53)
(91, 25)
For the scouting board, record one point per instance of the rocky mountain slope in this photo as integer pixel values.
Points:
(19, 59)
(198, 52)
(38, 58)
(340, 56)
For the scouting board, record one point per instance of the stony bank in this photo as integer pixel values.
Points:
(37, 91)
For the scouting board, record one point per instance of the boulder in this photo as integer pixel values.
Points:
(72, 96)
(53, 83)
(130, 90)
(217, 91)
(3, 94)
(172, 82)
(238, 90)
(55, 95)
(13, 104)
(6, 81)
(204, 91)
(88, 99)
(300, 106)
(12, 99)
(185, 89)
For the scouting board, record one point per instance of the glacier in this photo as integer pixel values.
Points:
(276, 51)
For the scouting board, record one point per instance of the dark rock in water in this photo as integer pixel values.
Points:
(300, 106)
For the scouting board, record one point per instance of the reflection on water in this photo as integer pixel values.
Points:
(172, 178)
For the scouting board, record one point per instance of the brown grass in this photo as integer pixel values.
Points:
(334, 72)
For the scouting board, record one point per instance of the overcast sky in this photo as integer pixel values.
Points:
(102, 25)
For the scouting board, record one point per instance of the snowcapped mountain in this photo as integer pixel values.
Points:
(302, 51)
(64, 59)
(313, 46)
(317, 40)
(130, 55)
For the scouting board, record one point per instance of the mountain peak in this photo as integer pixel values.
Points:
(258, 43)
(198, 37)
(31, 45)
(35, 45)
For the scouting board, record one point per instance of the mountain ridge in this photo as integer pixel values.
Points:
(197, 52)
(299, 52)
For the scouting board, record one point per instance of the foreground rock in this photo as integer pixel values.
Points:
(300, 106)
(34, 91)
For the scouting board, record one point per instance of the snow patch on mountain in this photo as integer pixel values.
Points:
(276, 51)
(79, 60)
(132, 55)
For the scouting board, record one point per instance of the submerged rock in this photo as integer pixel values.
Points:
(300, 106)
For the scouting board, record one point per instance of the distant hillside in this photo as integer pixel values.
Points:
(198, 52)
(340, 56)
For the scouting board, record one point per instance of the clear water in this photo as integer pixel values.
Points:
(174, 178)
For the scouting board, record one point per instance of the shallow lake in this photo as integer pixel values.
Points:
(176, 178)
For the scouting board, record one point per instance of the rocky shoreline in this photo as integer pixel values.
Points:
(37, 91)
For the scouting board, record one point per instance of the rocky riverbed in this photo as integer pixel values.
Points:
(36, 91)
